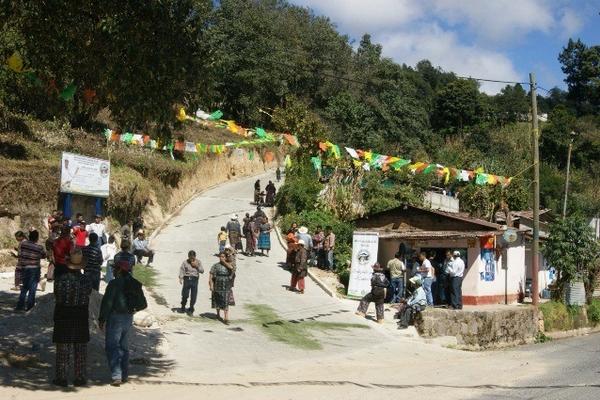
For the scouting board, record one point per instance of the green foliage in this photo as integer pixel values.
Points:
(385, 190)
(581, 64)
(573, 251)
(300, 190)
(593, 312)
(512, 104)
(458, 106)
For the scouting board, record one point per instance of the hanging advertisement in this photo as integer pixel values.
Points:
(84, 175)
(364, 255)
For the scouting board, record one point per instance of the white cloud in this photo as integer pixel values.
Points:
(497, 20)
(570, 22)
(443, 48)
(357, 17)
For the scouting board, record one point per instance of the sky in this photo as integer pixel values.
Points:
(495, 39)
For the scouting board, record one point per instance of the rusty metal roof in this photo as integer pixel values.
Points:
(423, 235)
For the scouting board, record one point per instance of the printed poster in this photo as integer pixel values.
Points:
(84, 175)
(364, 255)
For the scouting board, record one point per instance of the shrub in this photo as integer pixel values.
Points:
(559, 317)
(593, 312)
(300, 191)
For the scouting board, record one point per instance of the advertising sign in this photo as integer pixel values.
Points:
(84, 175)
(364, 255)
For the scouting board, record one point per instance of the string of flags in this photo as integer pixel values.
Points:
(370, 160)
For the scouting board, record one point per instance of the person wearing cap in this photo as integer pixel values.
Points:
(303, 235)
(71, 327)
(379, 285)
(98, 228)
(299, 269)
(413, 305)
(116, 318)
(189, 273)
(456, 273)
(234, 232)
(141, 248)
(219, 283)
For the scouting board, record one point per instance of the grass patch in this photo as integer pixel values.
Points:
(593, 312)
(146, 275)
(559, 317)
(296, 334)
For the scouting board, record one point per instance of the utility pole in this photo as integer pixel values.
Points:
(535, 248)
(564, 213)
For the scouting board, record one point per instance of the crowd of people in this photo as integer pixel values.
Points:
(429, 283)
(76, 252)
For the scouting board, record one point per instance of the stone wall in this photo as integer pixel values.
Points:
(483, 329)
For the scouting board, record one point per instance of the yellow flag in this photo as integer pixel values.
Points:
(181, 115)
(15, 62)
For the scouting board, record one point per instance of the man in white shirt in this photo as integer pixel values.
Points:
(427, 274)
(98, 228)
(456, 272)
(108, 254)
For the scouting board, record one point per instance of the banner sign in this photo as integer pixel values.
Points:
(364, 254)
(84, 175)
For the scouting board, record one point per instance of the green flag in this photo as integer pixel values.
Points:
(68, 92)
(316, 162)
(399, 164)
(260, 132)
(481, 179)
(215, 116)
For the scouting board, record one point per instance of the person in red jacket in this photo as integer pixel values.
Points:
(80, 234)
(61, 248)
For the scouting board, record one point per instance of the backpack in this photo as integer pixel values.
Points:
(134, 295)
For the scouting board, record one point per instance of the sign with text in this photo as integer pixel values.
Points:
(84, 175)
(364, 254)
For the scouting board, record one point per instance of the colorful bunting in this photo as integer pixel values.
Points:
(260, 132)
(215, 116)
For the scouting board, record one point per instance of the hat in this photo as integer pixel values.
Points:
(233, 216)
(456, 253)
(377, 267)
(415, 280)
(303, 230)
(301, 242)
(140, 231)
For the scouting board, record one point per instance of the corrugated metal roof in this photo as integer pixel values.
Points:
(390, 234)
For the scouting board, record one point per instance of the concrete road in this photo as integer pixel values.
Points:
(248, 359)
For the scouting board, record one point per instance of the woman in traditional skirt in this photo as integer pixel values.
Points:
(231, 264)
(71, 327)
(264, 237)
(292, 246)
(219, 282)
(234, 231)
(249, 235)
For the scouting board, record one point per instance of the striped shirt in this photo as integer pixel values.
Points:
(30, 254)
(93, 258)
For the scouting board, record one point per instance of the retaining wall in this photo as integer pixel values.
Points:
(478, 330)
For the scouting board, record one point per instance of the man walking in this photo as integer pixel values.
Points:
(93, 261)
(397, 270)
(456, 273)
(189, 273)
(30, 255)
(116, 318)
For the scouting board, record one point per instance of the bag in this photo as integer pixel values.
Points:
(50, 273)
(134, 295)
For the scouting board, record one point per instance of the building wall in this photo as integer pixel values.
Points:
(475, 290)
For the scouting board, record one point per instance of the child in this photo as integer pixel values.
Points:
(222, 239)
(379, 284)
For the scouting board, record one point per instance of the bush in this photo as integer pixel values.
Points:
(559, 317)
(593, 312)
(300, 191)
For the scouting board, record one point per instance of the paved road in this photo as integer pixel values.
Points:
(243, 361)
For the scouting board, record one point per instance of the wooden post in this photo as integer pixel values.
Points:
(535, 248)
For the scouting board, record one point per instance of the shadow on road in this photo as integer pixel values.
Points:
(27, 353)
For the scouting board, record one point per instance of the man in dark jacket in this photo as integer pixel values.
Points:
(117, 318)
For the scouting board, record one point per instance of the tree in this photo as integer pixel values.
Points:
(458, 106)
(512, 103)
(574, 252)
(581, 64)
(138, 61)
